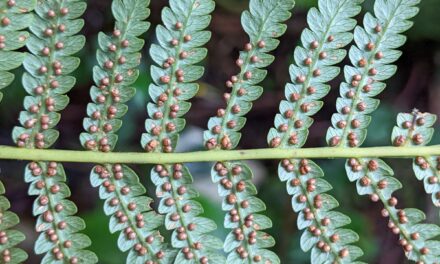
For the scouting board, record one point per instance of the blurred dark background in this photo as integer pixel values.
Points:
(416, 84)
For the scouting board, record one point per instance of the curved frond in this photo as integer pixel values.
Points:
(375, 178)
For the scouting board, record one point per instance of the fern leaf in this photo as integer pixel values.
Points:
(46, 79)
(9, 238)
(182, 215)
(15, 18)
(125, 201)
(130, 214)
(375, 50)
(263, 23)
(375, 178)
(118, 57)
(415, 129)
(247, 243)
(179, 49)
(322, 48)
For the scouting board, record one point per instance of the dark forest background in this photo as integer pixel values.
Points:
(416, 85)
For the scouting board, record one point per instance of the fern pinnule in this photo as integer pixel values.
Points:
(9, 237)
(375, 178)
(129, 209)
(322, 48)
(15, 18)
(118, 57)
(371, 57)
(46, 79)
(375, 50)
(179, 49)
(415, 129)
(247, 243)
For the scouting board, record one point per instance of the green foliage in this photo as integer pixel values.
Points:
(46, 80)
(375, 50)
(264, 23)
(58, 228)
(182, 215)
(118, 58)
(375, 178)
(52, 43)
(321, 49)
(179, 47)
(130, 213)
(415, 129)
(14, 19)
(9, 237)
(129, 209)
(247, 242)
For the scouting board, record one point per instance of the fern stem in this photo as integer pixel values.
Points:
(14, 153)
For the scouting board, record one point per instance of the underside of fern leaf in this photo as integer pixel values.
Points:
(415, 129)
(43, 36)
(321, 49)
(125, 201)
(52, 43)
(371, 59)
(179, 48)
(9, 238)
(375, 178)
(247, 243)
(375, 50)
(15, 17)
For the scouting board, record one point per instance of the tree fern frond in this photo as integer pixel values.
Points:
(46, 79)
(375, 50)
(180, 47)
(118, 58)
(15, 18)
(322, 47)
(129, 209)
(131, 214)
(324, 234)
(264, 24)
(247, 243)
